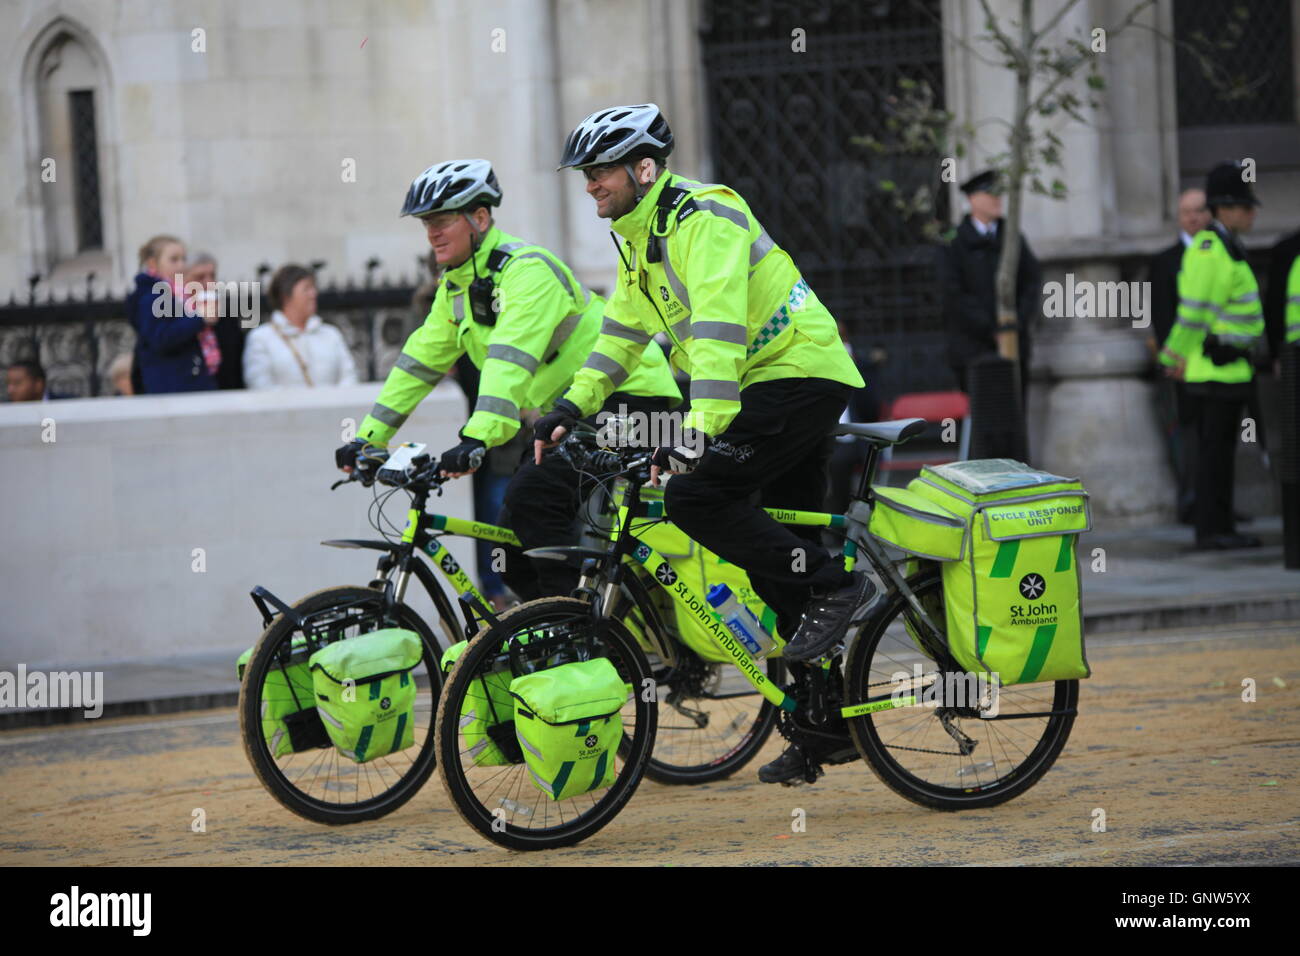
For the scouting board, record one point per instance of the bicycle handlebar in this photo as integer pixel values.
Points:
(426, 477)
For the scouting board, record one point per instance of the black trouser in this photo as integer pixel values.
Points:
(541, 504)
(1219, 429)
(773, 455)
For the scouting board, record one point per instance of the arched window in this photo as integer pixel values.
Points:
(68, 97)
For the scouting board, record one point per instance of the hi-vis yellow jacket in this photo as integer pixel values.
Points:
(1217, 294)
(698, 266)
(1293, 303)
(546, 325)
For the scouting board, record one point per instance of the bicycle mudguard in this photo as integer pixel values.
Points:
(358, 543)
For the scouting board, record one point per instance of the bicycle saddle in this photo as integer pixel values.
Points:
(890, 433)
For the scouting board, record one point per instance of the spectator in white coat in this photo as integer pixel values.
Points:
(296, 347)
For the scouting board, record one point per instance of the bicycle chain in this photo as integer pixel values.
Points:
(919, 750)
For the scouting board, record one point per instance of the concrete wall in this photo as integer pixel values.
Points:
(100, 524)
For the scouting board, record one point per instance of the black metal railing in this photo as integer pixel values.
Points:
(77, 338)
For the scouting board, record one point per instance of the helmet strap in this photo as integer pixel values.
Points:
(637, 188)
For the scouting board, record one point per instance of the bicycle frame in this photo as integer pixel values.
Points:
(423, 535)
(627, 546)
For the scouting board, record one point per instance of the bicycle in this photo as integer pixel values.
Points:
(314, 781)
(891, 694)
(302, 780)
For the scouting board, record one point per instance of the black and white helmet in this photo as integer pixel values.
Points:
(453, 185)
(610, 135)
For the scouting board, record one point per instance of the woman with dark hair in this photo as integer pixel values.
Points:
(296, 347)
(175, 351)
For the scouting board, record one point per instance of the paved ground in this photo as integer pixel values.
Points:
(1185, 771)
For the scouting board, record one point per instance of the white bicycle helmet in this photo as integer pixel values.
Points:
(610, 135)
(452, 186)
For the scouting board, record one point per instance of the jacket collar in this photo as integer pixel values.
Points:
(971, 235)
(462, 275)
(288, 328)
(636, 223)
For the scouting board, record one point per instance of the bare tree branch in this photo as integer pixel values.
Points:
(1008, 47)
(956, 38)
(1051, 24)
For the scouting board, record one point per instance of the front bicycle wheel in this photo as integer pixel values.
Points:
(313, 779)
(940, 753)
(484, 770)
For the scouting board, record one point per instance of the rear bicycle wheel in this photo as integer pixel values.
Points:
(943, 755)
(711, 719)
(498, 797)
(319, 783)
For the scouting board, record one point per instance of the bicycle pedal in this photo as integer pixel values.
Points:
(829, 656)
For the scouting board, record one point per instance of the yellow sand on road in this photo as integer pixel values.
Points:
(1184, 770)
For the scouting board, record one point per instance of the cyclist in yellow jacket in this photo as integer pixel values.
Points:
(770, 376)
(524, 319)
(1220, 319)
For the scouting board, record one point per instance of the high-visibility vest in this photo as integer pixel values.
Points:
(697, 266)
(545, 324)
(1217, 294)
(1293, 303)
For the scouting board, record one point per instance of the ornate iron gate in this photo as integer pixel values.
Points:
(782, 123)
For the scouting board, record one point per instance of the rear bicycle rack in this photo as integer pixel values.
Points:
(261, 596)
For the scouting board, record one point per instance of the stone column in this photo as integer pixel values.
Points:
(1098, 420)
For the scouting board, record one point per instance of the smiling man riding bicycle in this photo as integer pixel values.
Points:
(770, 376)
(526, 321)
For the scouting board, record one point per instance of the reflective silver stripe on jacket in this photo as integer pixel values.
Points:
(1244, 341)
(760, 247)
(1194, 303)
(1293, 299)
(413, 366)
(682, 329)
(610, 327)
(726, 212)
(1244, 298)
(720, 331)
(715, 388)
(458, 306)
(603, 363)
(517, 356)
(1191, 323)
(675, 283)
(561, 335)
(497, 406)
(386, 415)
(690, 184)
(559, 273)
(511, 246)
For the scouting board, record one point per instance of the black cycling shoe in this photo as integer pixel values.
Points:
(790, 768)
(827, 617)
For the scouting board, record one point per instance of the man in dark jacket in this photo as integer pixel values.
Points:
(1177, 405)
(968, 267)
